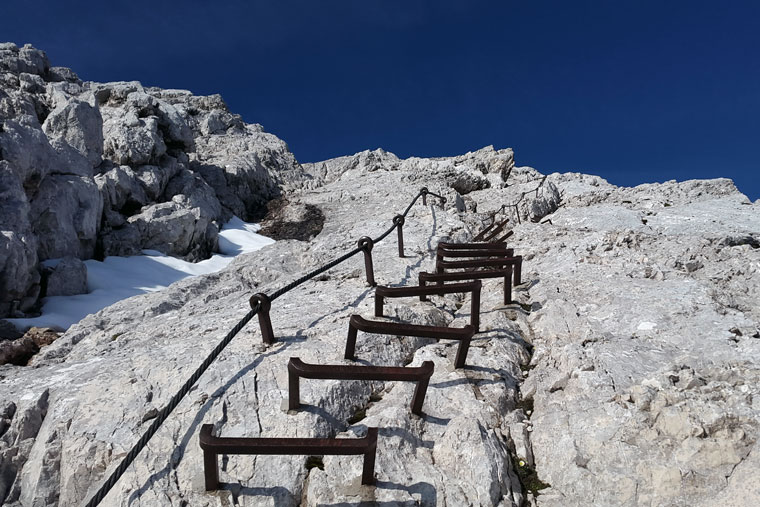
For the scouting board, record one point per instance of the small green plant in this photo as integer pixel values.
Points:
(526, 405)
(528, 476)
(113, 337)
(358, 416)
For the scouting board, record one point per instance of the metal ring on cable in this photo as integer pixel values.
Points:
(366, 243)
(262, 300)
(399, 220)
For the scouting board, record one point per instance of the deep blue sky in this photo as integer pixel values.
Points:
(635, 91)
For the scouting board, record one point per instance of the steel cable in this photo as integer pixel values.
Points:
(177, 398)
(164, 414)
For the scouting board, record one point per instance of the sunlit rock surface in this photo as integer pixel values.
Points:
(97, 169)
(627, 372)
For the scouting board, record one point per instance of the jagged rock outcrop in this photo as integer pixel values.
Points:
(114, 168)
(18, 245)
(20, 350)
(249, 388)
(626, 372)
(463, 173)
(67, 278)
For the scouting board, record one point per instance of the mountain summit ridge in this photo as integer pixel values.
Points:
(625, 372)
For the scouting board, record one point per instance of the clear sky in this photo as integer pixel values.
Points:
(635, 91)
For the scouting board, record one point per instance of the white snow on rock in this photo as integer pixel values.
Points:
(117, 278)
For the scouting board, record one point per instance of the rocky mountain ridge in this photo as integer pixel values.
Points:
(96, 169)
(626, 371)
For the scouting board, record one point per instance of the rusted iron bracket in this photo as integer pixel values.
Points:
(491, 231)
(213, 446)
(439, 278)
(479, 236)
(495, 231)
(297, 369)
(265, 304)
(399, 221)
(424, 192)
(504, 238)
(516, 262)
(463, 334)
(366, 244)
(422, 291)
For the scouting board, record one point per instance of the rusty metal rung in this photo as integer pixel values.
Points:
(490, 232)
(422, 291)
(472, 246)
(213, 446)
(515, 262)
(443, 252)
(463, 334)
(439, 278)
(495, 232)
(298, 369)
(484, 231)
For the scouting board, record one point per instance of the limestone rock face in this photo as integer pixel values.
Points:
(27, 150)
(18, 245)
(67, 278)
(644, 350)
(24, 60)
(65, 215)
(98, 162)
(136, 141)
(464, 173)
(80, 125)
(242, 395)
(625, 372)
(468, 180)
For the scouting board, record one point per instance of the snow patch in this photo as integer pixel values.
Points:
(117, 278)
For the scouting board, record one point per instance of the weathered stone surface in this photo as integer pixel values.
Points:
(645, 367)
(246, 169)
(626, 373)
(186, 226)
(140, 143)
(132, 140)
(80, 125)
(19, 351)
(292, 220)
(166, 226)
(65, 214)
(26, 59)
(122, 190)
(18, 245)
(619, 402)
(462, 423)
(465, 181)
(26, 149)
(67, 278)
(57, 74)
